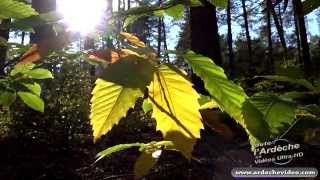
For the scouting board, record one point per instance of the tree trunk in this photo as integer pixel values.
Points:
(230, 48)
(159, 37)
(165, 45)
(43, 31)
(297, 37)
(246, 24)
(270, 50)
(204, 37)
(204, 32)
(3, 49)
(303, 37)
(279, 29)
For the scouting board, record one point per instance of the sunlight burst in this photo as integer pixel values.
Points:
(82, 15)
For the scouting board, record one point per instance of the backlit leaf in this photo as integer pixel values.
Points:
(110, 102)
(107, 152)
(33, 87)
(39, 73)
(21, 68)
(176, 11)
(146, 106)
(176, 109)
(32, 100)
(228, 95)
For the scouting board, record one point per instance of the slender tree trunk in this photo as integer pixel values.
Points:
(159, 33)
(204, 37)
(270, 50)
(297, 37)
(279, 29)
(230, 41)
(165, 45)
(159, 37)
(303, 37)
(280, 15)
(23, 34)
(246, 24)
(3, 49)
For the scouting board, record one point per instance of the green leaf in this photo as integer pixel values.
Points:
(219, 3)
(278, 113)
(32, 100)
(310, 5)
(110, 102)
(16, 10)
(35, 88)
(131, 71)
(7, 98)
(175, 11)
(146, 106)
(21, 68)
(228, 95)
(107, 152)
(39, 73)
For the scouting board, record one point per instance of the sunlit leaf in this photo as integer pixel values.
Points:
(33, 87)
(107, 152)
(146, 106)
(110, 102)
(134, 40)
(39, 73)
(32, 100)
(21, 68)
(176, 109)
(176, 11)
(15, 9)
(228, 95)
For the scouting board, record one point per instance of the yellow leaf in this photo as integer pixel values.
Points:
(134, 40)
(176, 109)
(110, 102)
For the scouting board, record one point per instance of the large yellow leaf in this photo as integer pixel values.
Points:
(176, 109)
(110, 102)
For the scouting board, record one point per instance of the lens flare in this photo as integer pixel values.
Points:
(82, 15)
